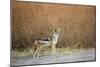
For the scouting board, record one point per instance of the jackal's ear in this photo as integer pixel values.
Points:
(57, 29)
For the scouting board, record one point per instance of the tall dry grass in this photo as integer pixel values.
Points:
(31, 21)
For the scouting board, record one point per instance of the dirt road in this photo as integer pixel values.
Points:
(84, 55)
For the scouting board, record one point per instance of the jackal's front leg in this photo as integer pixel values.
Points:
(53, 49)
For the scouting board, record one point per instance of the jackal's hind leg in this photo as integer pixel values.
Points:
(36, 54)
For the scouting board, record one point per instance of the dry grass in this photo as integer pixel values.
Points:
(31, 21)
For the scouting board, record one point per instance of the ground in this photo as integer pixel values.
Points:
(66, 56)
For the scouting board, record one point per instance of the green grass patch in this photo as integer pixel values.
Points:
(47, 51)
(25, 52)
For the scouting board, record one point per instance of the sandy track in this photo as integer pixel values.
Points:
(84, 55)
